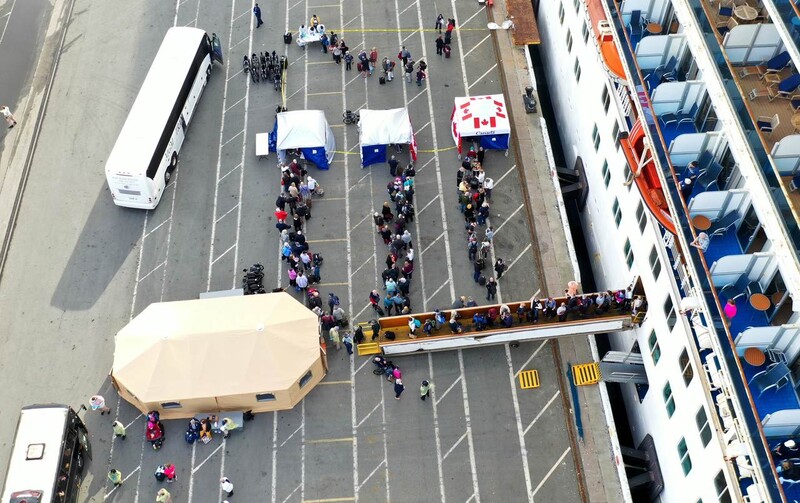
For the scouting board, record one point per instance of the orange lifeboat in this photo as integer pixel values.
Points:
(605, 39)
(642, 165)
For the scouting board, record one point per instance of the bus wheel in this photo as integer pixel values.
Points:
(208, 73)
(172, 165)
(79, 462)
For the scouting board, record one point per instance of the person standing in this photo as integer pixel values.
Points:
(169, 473)
(373, 59)
(499, 268)
(730, 309)
(10, 120)
(119, 429)
(425, 389)
(348, 342)
(227, 486)
(398, 388)
(491, 289)
(348, 61)
(404, 55)
(163, 496)
(257, 14)
(439, 45)
(115, 476)
(335, 338)
(488, 185)
(439, 23)
(393, 164)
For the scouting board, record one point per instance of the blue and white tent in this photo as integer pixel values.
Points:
(304, 130)
(380, 128)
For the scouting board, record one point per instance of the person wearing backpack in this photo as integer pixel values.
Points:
(333, 301)
(408, 67)
(404, 55)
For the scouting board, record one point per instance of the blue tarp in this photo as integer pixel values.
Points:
(317, 155)
(498, 141)
(373, 154)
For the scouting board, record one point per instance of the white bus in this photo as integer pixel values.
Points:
(146, 153)
(51, 448)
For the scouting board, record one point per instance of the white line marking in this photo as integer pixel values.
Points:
(159, 266)
(531, 357)
(347, 23)
(555, 395)
(234, 136)
(523, 450)
(547, 475)
(429, 161)
(362, 265)
(291, 493)
(504, 175)
(417, 131)
(441, 396)
(134, 420)
(440, 236)
(367, 417)
(404, 10)
(360, 367)
(425, 90)
(8, 18)
(236, 19)
(363, 177)
(432, 200)
(241, 100)
(226, 214)
(139, 264)
(274, 479)
(194, 470)
(484, 75)
(222, 467)
(240, 72)
(362, 312)
(471, 17)
(476, 45)
(362, 221)
(156, 228)
(224, 253)
(229, 172)
(461, 439)
(427, 299)
(295, 5)
(496, 231)
(123, 481)
(292, 435)
(383, 462)
(468, 419)
(436, 432)
(518, 257)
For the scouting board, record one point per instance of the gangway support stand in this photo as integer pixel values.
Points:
(529, 379)
(369, 348)
(586, 373)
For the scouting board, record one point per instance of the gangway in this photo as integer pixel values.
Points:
(615, 319)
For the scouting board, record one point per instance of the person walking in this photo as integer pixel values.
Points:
(420, 77)
(348, 342)
(227, 486)
(408, 68)
(335, 338)
(257, 14)
(115, 476)
(10, 120)
(119, 429)
(499, 268)
(491, 289)
(163, 496)
(425, 389)
(398, 388)
(97, 402)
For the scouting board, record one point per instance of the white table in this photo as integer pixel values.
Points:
(262, 145)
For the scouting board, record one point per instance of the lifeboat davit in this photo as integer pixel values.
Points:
(604, 35)
(640, 159)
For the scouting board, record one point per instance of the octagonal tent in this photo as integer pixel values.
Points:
(483, 119)
(254, 352)
(380, 128)
(304, 130)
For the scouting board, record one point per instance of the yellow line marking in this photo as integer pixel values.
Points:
(324, 94)
(329, 441)
(329, 500)
(335, 382)
(325, 240)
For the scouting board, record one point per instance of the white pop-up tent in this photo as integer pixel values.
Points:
(482, 118)
(304, 130)
(380, 128)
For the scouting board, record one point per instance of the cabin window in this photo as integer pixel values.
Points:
(577, 4)
(628, 176)
(265, 397)
(606, 99)
(171, 405)
(577, 70)
(561, 13)
(585, 31)
(640, 217)
(606, 174)
(655, 349)
(655, 264)
(669, 312)
(596, 138)
(304, 380)
(683, 454)
(686, 367)
(628, 253)
(569, 41)
(702, 426)
(669, 400)
(617, 212)
(615, 134)
(723, 493)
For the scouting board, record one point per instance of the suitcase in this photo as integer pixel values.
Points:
(482, 280)
(447, 51)
(382, 80)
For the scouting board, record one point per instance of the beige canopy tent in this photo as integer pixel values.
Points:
(254, 352)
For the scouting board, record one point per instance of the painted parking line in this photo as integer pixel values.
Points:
(542, 411)
(550, 472)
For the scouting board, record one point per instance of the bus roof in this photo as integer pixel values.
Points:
(36, 427)
(142, 129)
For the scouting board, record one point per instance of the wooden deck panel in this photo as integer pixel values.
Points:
(526, 31)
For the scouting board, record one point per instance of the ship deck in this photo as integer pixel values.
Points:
(526, 31)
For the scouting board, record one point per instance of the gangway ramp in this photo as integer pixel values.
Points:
(613, 320)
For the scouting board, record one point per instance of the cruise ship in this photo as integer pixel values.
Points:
(682, 118)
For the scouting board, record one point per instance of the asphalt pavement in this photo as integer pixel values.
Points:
(79, 267)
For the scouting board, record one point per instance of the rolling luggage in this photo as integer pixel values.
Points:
(382, 80)
(447, 51)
